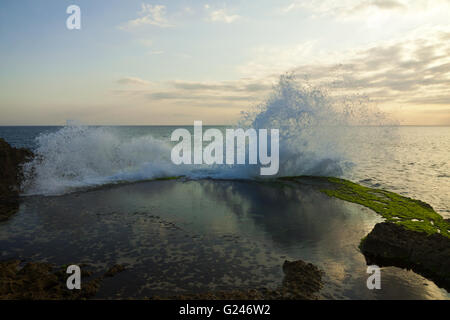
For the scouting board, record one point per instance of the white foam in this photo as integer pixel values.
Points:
(314, 138)
(80, 156)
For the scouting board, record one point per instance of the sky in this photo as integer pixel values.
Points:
(175, 61)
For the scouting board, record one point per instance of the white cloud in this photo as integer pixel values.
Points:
(154, 15)
(363, 9)
(274, 60)
(221, 15)
(232, 94)
(133, 81)
(408, 70)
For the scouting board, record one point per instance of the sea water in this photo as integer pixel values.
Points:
(414, 161)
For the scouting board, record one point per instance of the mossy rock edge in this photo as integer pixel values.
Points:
(413, 236)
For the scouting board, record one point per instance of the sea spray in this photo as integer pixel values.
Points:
(316, 132)
(80, 156)
(315, 126)
(235, 148)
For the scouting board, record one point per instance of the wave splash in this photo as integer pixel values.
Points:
(80, 156)
(314, 136)
(315, 126)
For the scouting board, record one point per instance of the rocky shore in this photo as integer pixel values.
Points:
(43, 281)
(302, 281)
(390, 244)
(11, 177)
(413, 236)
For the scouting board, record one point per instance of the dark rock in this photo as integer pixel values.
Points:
(390, 244)
(40, 281)
(302, 281)
(114, 270)
(44, 281)
(8, 207)
(10, 177)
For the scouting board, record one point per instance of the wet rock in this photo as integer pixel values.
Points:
(10, 173)
(39, 281)
(114, 270)
(8, 207)
(390, 244)
(44, 281)
(302, 281)
(10, 177)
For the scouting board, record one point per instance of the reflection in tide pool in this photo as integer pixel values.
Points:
(196, 236)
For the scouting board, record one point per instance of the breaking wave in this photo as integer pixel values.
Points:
(80, 156)
(315, 126)
(314, 136)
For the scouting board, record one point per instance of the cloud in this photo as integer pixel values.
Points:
(383, 5)
(387, 4)
(238, 94)
(408, 75)
(154, 15)
(409, 71)
(413, 70)
(362, 9)
(133, 81)
(231, 86)
(343, 6)
(278, 59)
(177, 95)
(221, 15)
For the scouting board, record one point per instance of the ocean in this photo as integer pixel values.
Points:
(413, 161)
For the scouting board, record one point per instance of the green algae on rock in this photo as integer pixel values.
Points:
(412, 214)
